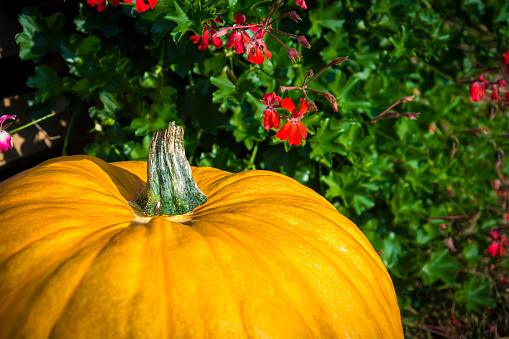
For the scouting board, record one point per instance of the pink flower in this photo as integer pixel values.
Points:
(271, 119)
(238, 37)
(5, 138)
(302, 4)
(294, 129)
(496, 248)
(208, 37)
(141, 6)
(474, 92)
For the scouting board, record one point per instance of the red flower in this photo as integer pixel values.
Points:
(5, 138)
(271, 119)
(101, 4)
(494, 94)
(496, 248)
(293, 130)
(258, 52)
(141, 6)
(238, 37)
(505, 59)
(256, 48)
(302, 4)
(474, 92)
(208, 37)
(507, 96)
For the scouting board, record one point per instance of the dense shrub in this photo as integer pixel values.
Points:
(429, 192)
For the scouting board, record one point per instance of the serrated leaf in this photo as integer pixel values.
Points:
(475, 294)
(47, 83)
(226, 87)
(326, 141)
(442, 266)
(40, 34)
(189, 17)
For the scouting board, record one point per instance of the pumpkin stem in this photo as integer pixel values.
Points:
(170, 188)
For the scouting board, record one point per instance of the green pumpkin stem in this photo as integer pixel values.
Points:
(170, 188)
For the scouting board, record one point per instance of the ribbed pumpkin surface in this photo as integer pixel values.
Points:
(265, 257)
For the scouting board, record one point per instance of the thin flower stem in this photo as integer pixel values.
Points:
(275, 37)
(251, 164)
(273, 10)
(316, 91)
(278, 31)
(33, 122)
(436, 70)
(68, 132)
(278, 18)
(317, 74)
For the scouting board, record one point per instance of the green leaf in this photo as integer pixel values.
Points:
(40, 34)
(362, 203)
(226, 87)
(476, 294)
(188, 18)
(326, 141)
(471, 253)
(440, 266)
(47, 83)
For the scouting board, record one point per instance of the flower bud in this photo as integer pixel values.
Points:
(294, 16)
(282, 89)
(221, 32)
(339, 60)
(292, 54)
(302, 40)
(309, 73)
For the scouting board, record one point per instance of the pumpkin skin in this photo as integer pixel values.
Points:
(264, 257)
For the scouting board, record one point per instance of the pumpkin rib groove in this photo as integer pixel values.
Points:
(263, 261)
(107, 241)
(170, 319)
(57, 262)
(230, 288)
(227, 202)
(333, 264)
(26, 246)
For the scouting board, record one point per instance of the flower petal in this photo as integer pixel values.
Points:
(5, 141)
(303, 131)
(5, 117)
(284, 132)
(492, 250)
(294, 135)
(288, 104)
(271, 119)
(302, 109)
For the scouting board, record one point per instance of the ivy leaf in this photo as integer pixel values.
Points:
(40, 34)
(188, 18)
(440, 266)
(47, 82)
(226, 87)
(90, 20)
(326, 141)
(475, 294)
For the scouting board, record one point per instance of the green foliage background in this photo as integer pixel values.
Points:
(134, 73)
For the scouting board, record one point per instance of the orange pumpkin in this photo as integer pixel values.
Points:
(264, 257)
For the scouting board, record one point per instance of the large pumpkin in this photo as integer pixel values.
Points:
(264, 257)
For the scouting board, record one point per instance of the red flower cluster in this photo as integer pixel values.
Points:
(478, 86)
(294, 130)
(208, 35)
(254, 45)
(496, 248)
(141, 6)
